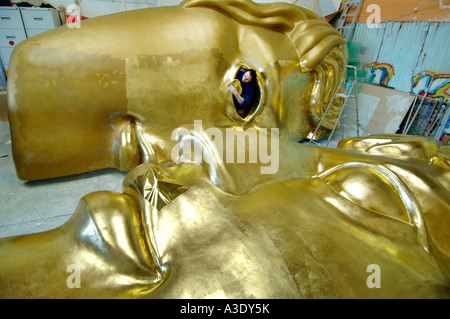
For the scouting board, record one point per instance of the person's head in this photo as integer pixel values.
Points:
(249, 76)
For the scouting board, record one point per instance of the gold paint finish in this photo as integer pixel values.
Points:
(401, 146)
(103, 238)
(214, 229)
(110, 93)
(308, 231)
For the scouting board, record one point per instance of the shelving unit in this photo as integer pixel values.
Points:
(426, 117)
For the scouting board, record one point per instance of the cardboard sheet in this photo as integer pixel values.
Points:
(382, 109)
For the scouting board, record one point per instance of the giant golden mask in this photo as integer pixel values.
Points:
(110, 93)
(317, 227)
(320, 227)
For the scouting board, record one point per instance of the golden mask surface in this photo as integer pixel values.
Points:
(110, 93)
(310, 230)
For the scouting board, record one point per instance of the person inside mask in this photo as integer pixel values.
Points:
(247, 80)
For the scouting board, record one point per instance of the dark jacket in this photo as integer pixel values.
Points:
(248, 90)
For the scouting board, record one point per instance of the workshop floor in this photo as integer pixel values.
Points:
(31, 207)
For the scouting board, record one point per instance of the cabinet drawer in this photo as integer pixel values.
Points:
(9, 38)
(10, 18)
(33, 32)
(40, 18)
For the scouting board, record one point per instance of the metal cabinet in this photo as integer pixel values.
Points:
(38, 20)
(9, 38)
(18, 24)
(10, 18)
(12, 32)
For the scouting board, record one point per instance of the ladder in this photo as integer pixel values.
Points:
(351, 92)
(344, 28)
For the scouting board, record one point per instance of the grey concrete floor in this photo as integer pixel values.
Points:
(37, 206)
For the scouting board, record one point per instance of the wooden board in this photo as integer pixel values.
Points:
(381, 109)
(407, 10)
